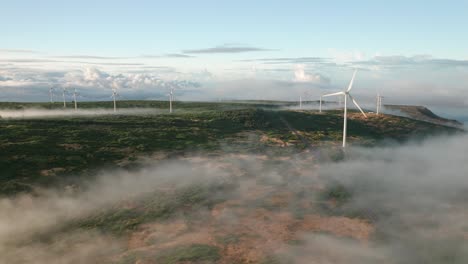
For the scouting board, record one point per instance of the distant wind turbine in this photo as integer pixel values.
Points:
(379, 104)
(171, 98)
(320, 104)
(51, 94)
(114, 96)
(346, 95)
(63, 95)
(300, 101)
(74, 99)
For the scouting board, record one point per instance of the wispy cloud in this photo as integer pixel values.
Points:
(70, 62)
(18, 51)
(412, 61)
(177, 55)
(89, 57)
(293, 60)
(27, 60)
(168, 55)
(225, 49)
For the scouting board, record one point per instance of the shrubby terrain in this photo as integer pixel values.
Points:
(229, 182)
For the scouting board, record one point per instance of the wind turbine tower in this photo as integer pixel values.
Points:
(51, 94)
(379, 104)
(320, 108)
(114, 96)
(74, 99)
(346, 96)
(300, 101)
(171, 97)
(63, 95)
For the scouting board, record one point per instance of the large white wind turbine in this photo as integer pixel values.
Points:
(346, 94)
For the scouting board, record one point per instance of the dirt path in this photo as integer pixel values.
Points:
(295, 132)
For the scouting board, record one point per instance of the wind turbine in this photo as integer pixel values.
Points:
(63, 95)
(51, 94)
(379, 103)
(300, 101)
(114, 96)
(171, 97)
(74, 99)
(320, 104)
(346, 95)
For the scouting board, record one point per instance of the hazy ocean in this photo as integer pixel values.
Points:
(459, 114)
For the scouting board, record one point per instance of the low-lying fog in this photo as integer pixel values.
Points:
(44, 113)
(415, 196)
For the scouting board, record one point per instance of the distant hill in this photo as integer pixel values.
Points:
(424, 114)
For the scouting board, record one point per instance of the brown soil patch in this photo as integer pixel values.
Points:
(273, 140)
(339, 226)
(71, 146)
(250, 227)
(51, 172)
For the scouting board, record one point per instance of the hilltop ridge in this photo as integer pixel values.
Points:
(424, 114)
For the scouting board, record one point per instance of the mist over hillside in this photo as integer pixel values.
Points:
(394, 204)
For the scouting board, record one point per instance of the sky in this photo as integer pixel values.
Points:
(412, 52)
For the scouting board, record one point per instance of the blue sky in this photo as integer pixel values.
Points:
(402, 47)
(294, 27)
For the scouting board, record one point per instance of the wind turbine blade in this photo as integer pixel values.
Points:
(333, 94)
(352, 81)
(356, 104)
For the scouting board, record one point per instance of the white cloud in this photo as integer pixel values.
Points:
(95, 78)
(301, 76)
(343, 57)
(92, 83)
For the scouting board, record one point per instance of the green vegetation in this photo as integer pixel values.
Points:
(198, 253)
(154, 206)
(277, 259)
(335, 198)
(228, 239)
(62, 150)
(337, 193)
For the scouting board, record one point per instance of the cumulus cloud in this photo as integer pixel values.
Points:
(343, 57)
(94, 84)
(301, 76)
